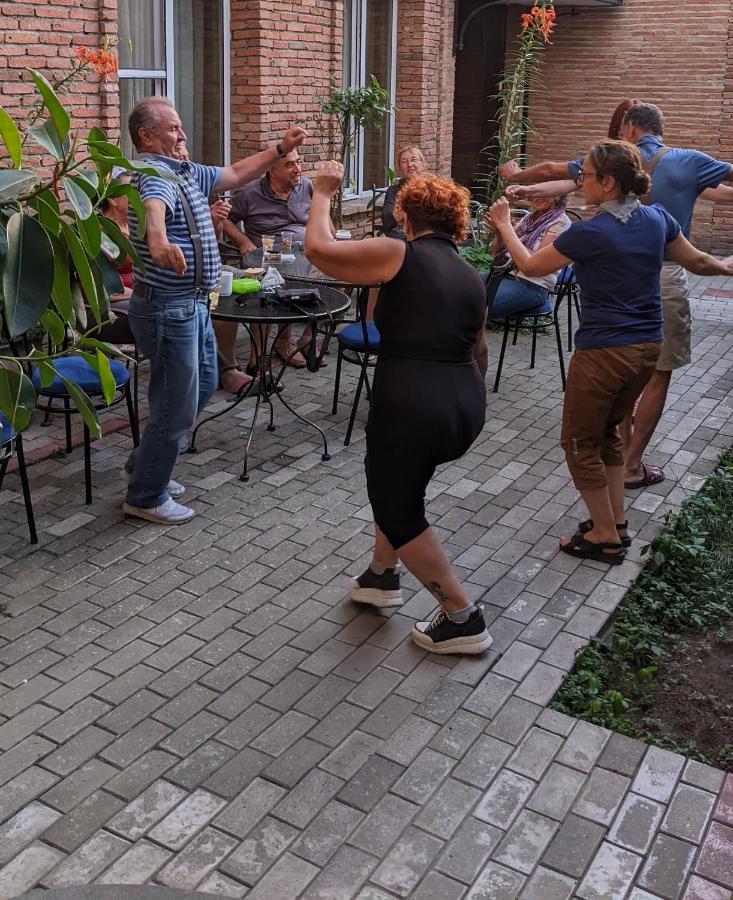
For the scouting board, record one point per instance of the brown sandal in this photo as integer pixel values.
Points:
(587, 525)
(243, 386)
(582, 548)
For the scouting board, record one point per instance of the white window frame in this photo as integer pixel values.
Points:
(357, 77)
(167, 75)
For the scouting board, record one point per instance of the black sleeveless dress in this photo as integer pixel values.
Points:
(429, 398)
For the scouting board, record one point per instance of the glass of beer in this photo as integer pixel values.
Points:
(287, 242)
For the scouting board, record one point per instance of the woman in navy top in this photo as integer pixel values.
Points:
(618, 257)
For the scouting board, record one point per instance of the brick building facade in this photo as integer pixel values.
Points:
(277, 57)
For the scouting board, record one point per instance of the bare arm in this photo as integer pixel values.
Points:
(541, 262)
(252, 167)
(360, 262)
(681, 251)
(544, 171)
(720, 194)
(539, 191)
(238, 237)
(164, 254)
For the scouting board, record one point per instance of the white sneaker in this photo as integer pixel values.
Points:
(168, 513)
(174, 488)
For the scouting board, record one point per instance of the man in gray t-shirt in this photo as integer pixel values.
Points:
(279, 201)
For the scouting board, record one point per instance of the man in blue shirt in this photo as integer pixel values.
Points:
(679, 177)
(168, 311)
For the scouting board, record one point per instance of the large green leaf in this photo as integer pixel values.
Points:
(13, 183)
(85, 407)
(90, 232)
(96, 134)
(46, 372)
(109, 388)
(83, 269)
(80, 309)
(133, 197)
(88, 181)
(102, 293)
(102, 147)
(78, 198)
(17, 397)
(28, 273)
(110, 276)
(54, 326)
(46, 136)
(59, 116)
(112, 230)
(11, 137)
(61, 291)
(107, 348)
(49, 214)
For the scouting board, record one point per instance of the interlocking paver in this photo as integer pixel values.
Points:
(223, 659)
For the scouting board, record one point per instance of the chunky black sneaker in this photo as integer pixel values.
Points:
(377, 590)
(443, 636)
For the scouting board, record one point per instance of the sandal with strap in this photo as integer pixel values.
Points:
(270, 383)
(587, 525)
(650, 475)
(582, 548)
(244, 384)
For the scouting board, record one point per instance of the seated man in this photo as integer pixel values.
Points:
(278, 202)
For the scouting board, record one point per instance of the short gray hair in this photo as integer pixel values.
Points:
(646, 116)
(144, 115)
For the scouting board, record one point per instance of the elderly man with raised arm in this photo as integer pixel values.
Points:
(168, 311)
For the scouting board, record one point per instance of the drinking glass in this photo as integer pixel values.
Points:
(287, 242)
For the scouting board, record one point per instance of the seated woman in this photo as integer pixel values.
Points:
(618, 258)
(428, 398)
(410, 162)
(517, 291)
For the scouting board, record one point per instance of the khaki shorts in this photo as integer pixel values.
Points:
(677, 346)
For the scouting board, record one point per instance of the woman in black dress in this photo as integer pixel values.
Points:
(429, 400)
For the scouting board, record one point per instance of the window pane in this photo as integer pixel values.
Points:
(142, 34)
(378, 59)
(132, 90)
(198, 77)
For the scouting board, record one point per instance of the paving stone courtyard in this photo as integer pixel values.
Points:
(201, 707)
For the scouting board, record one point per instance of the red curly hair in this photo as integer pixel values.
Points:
(431, 203)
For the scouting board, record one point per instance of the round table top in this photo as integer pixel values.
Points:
(300, 270)
(263, 309)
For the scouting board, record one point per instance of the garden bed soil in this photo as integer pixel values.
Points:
(691, 704)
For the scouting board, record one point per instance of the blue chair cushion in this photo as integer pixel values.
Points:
(353, 336)
(78, 370)
(7, 432)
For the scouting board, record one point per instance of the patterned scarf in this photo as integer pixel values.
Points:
(531, 229)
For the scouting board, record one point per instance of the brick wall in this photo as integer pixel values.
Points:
(425, 79)
(44, 34)
(675, 55)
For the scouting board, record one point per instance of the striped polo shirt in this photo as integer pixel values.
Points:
(196, 182)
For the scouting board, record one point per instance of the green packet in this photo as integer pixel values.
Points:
(245, 286)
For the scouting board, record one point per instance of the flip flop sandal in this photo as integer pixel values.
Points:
(581, 548)
(290, 357)
(587, 525)
(242, 387)
(652, 475)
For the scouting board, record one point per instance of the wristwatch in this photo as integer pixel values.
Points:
(280, 151)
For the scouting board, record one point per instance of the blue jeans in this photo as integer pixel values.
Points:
(175, 334)
(516, 295)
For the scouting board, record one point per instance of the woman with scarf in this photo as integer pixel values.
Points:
(618, 257)
(519, 292)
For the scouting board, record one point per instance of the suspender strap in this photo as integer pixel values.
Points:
(198, 250)
(649, 165)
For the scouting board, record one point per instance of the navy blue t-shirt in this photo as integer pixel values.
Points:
(617, 266)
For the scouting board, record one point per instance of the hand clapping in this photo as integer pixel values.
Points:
(498, 215)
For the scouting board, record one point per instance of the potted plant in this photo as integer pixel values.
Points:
(55, 245)
(346, 111)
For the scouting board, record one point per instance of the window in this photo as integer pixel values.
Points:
(178, 49)
(370, 49)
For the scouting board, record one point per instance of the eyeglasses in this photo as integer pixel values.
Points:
(583, 174)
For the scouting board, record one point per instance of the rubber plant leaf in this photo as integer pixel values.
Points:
(83, 269)
(59, 116)
(28, 273)
(11, 137)
(84, 406)
(17, 397)
(14, 182)
(78, 198)
(46, 136)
